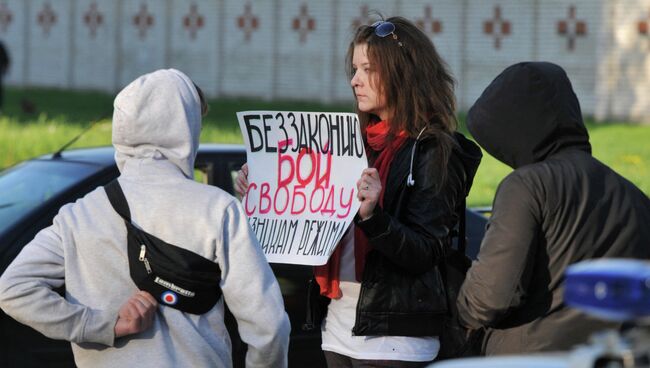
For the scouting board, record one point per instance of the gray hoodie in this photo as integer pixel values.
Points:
(156, 127)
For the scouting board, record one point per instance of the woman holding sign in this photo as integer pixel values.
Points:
(384, 287)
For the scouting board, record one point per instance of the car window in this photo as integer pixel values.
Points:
(201, 175)
(28, 185)
(233, 177)
(232, 166)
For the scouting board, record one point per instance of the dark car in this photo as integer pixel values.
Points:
(31, 194)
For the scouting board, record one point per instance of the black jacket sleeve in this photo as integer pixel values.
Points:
(415, 240)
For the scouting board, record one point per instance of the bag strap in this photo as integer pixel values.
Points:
(118, 200)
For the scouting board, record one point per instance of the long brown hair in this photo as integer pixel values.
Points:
(415, 81)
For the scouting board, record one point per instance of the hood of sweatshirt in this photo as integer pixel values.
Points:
(527, 114)
(470, 155)
(158, 117)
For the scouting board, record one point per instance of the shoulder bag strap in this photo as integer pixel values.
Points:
(118, 200)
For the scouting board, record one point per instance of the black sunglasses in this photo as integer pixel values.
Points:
(384, 28)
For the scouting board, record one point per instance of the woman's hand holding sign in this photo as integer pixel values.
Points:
(241, 182)
(368, 190)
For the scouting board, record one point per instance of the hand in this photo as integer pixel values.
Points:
(368, 190)
(241, 182)
(136, 314)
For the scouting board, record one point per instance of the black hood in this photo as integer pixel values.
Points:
(528, 113)
(470, 155)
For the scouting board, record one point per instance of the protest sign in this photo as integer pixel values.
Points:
(302, 193)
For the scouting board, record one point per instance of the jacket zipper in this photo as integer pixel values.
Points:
(143, 259)
(402, 192)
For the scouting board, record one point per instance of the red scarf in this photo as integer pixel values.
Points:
(327, 275)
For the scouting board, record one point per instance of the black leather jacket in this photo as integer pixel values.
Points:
(401, 291)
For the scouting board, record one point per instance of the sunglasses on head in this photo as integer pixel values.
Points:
(384, 28)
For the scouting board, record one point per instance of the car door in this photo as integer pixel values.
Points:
(21, 345)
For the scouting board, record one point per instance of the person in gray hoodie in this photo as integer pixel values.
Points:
(559, 206)
(156, 127)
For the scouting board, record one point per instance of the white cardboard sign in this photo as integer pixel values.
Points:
(303, 168)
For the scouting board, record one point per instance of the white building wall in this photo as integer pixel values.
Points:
(295, 49)
(144, 38)
(249, 34)
(194, 42)
(444, 23)
(625, 74)
(567, 34)
(49, 47)
(498, 33)
(94, 59)
(14, 31)
(303, 66)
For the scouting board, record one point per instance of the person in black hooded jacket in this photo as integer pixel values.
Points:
(559, 206)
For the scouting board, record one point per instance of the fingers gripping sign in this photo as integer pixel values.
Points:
(368, 191)
(136, 314)
(241, 182)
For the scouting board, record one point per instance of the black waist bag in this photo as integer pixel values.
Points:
(177, 277)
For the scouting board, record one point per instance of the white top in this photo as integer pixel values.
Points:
(337, 327)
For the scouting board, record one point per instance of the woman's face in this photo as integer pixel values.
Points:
(365, 83)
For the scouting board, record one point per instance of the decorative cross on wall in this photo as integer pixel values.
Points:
(643, 25)
(193, 21)
(497, 27)
(362, 19)
(143, 20)
(248, 22)
(428, 24)
(93, 19)
(46, 18)
(571, 28)
(303, 23)
(5, 17)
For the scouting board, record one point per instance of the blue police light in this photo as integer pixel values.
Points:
(612, 289)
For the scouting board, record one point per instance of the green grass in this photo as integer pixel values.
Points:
(61, 115)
